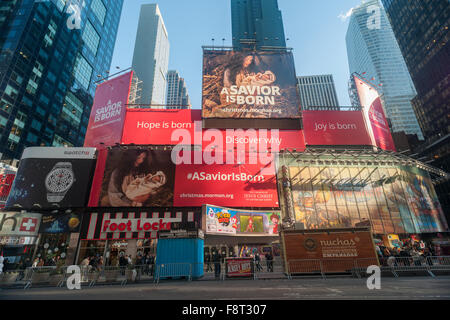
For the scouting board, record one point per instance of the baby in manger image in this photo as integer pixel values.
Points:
(135, 181)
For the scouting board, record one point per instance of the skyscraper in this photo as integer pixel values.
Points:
(374, 53)
(52, 53)
(177, 93)
(422, 31)
(257, 23)
(317, 91)
(151, 55)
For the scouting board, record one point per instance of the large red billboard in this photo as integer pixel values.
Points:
(108, 112)
(170, 127)
(155, 127)
(233, 185)
(141, 176)
(374, 115)
(335, 128)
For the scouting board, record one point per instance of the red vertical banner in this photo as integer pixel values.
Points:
(374, 115)
(108, 112)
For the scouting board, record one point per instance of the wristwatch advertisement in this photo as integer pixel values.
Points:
(58, 181)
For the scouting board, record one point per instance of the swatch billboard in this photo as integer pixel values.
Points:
(227, 221)
(374, 115)
(249, 85)
(50, 178)
(335, 128)
(108, 112)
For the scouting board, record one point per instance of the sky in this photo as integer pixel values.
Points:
(316, 30)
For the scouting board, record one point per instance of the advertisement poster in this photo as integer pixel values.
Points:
(53, 178)
(228, 221)
(239, 267)
(144, 126)
(108, 112)
(390, 200)
(237, 185)
(329, 246)
(250, 85)
(19, 224)
(137, 177)
(138, 224)
(335, 128)
(375, 117)
(164, 127)
(65, 223)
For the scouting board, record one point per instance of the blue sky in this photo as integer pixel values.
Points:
(315, 30)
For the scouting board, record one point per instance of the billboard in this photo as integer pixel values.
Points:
(143, 176)
(56, 224)
(391, 200)
(322, 248)
(249, 85)
(19, 224)
(170, 127)
(226, 221)
(144, 126)
(108, 112)
(335, 128)
(236, 185)
(374, 115)
(53, 177)
(134, 177)
(138, 224)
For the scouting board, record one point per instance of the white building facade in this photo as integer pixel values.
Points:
(151, 56)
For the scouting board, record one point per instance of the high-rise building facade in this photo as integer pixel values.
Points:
(52, 53)
(177, 93)
(374, 53)
(256, 24)
(317, 91)
(422, 30)
(151, 56)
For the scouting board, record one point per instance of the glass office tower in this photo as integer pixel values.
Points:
(52, 53)
(374, 53)
(256, 24)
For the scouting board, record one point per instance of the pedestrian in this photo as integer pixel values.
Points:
(208, 262)
(35, 263)
(152, 264)
(269, 261)
(216, 259)
(258, 262)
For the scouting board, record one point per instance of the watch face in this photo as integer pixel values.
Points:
(59, 180)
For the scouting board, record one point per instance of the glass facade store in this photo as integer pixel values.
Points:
(330, 189)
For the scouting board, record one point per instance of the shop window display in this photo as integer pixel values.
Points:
(52, 249)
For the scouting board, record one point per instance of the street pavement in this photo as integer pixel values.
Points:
(406, 288)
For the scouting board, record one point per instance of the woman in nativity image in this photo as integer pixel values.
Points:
(132, 182)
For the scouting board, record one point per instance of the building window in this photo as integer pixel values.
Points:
(99, 10)
(72, 110)
(91, 38)
(60, 142)
(82, 71)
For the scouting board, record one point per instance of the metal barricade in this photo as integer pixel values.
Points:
(438, 264)
(274, 269)
(412, 264)
(9, 278)
(303, 267)
(173, 270)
